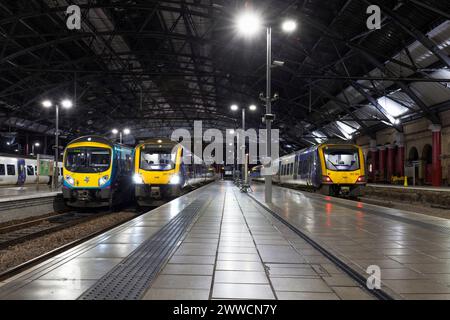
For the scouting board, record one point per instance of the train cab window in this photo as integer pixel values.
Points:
(341, 158)
(155, 158)
(2, 169)
(88, 159)
(30, 171)
(11, 170)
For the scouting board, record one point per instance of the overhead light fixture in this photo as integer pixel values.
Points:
(248, 23)
(47, 103)
(115, 131)
(234, 107)
(289, 26)
(252, 107)
(126, 131)
(159, 141)
(66, 103)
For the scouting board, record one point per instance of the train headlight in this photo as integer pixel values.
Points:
(103, 180)
(137, 179)
(70, 180)
(175, 179)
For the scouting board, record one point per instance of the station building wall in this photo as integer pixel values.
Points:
(416, 134)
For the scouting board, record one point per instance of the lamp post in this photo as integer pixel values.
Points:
(66, 104)
(125, 131)
(235, 107)
(249, 23)
(36, 144)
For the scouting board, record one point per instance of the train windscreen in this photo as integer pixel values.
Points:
(341, 158)
(157, 159)
(87, 159)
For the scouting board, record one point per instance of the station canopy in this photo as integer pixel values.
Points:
(155, 66)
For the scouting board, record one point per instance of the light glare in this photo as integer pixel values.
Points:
(66, 103)
(252, 107)
(115, 131)
(126, 131)
(234, 107)
(289, 26)
(248, 23)
(47, 103)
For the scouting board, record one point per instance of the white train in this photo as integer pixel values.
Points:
(20, 170)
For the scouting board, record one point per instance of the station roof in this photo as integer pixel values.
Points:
(155, 66)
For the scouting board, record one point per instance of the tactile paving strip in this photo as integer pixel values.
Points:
(129, 279)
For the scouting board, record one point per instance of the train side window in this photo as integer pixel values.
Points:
(11, 170)
(291, 169)
(35, 170)
(30, 171)
(2, 169)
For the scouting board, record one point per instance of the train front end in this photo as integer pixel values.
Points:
(158, 171)
(343, 170)
(88, 172)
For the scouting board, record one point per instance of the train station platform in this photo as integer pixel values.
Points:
(411, 249)
(219, 243)
(437, 197)
(25, 192)
(23, 202)
(212, 243)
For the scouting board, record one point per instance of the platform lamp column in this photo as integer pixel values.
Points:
(66, 104)
(56, 171)
(374, 159)
(268, 178)
(400, 168)
(436, 155)
(390, 161)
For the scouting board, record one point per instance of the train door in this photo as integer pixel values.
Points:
(21, 172)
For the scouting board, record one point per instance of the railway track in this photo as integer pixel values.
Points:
(18, 233)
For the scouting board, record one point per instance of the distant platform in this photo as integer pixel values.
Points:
(23, 202)
(14, 193)
(410, 187)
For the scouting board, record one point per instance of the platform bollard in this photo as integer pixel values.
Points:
(405, 184)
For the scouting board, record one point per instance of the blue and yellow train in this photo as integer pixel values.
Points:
(330, 169)
(160, 170)
(97, 172)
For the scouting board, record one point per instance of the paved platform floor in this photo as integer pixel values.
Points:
(234, 250)
(14, 193)
(412, 250)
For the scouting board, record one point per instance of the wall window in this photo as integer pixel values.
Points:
(2, 169)
(11, 169)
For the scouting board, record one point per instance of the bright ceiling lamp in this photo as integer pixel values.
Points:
(289, 26)
(248, 23)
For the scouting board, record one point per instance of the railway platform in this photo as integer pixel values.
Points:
(411, 249)
(438, 197)
(212, 243)
(219, 243)
(26, 201)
